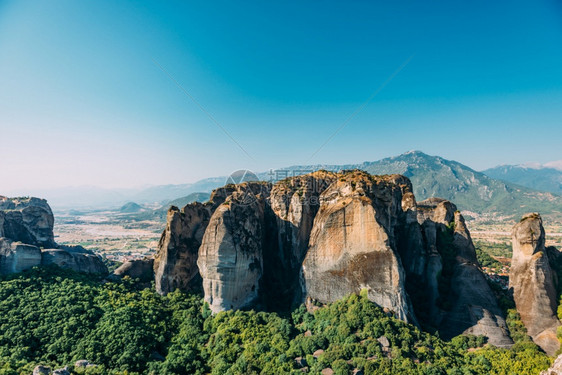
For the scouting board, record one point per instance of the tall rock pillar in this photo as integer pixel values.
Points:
(533, 282)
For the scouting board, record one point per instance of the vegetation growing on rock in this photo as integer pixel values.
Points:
(55, 317)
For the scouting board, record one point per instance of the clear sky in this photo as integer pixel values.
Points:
(83, 101)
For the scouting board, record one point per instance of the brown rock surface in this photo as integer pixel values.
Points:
(352, 243)
(533, 283)
(175, 264)
(461, 300)
(231, 254)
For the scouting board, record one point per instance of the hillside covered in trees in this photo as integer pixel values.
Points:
(55, 317)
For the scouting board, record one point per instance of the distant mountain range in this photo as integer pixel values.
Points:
(136, 212)
(506, 190)
(545, 178)
(91, 197)
(433, 176)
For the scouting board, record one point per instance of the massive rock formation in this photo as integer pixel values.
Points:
(75, 258)
(352, 244)
(462, 299)
(26, 224)
(16, 256)
(324, 235)
(27, 220)
(231, 254)
(175, 264)
(294, 203)
(534, 283)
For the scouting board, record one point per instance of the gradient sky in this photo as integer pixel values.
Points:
(82, 101)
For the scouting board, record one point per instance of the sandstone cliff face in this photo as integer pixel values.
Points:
(533, 283)
(352, 243)
(27, 224)
(294, 203)
(76, 259)
(231, 254)
(175, 264)
(324, 235)
(28, 220)
(16, 256)
(461, 300)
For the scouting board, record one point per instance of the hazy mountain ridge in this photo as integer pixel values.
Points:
(539, 178)
(434, 176)
(92, 197)
(431, 176)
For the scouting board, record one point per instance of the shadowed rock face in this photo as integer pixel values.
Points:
(28, 220)
(16, 256)
(461, 300)
(175, 264)
(231, 254)
(533, 283)
(322, 236)
(352, 244)
(27, 224)
(76, 259)
(294, 203)
(142, 269)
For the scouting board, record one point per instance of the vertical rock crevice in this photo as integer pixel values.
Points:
(322, 236)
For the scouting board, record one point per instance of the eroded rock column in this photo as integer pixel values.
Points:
(533, 282)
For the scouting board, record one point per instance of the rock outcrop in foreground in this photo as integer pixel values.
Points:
(75, 258)
(27, 220)
(175, 264)
(353, 246)
(27, 240)
(141, 269)
(231, 255)
(321, 236)
(16, 256)
(461, 300)
(534, 283)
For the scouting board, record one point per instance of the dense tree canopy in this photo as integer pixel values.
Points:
(55, 317)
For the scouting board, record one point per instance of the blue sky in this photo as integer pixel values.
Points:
(83, 103)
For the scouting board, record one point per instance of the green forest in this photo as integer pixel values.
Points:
(55, 317)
